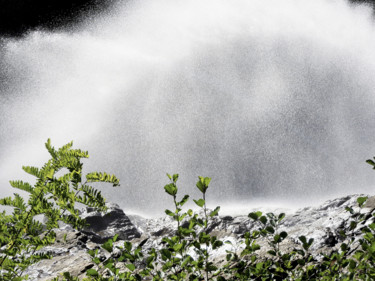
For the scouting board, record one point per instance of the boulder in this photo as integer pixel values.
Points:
(103, 226)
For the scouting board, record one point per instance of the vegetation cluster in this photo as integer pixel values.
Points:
(61, 188)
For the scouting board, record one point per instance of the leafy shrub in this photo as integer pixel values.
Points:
(184, 255)
(54, 196)
(354, 261)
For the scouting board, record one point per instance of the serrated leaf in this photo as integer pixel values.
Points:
(103, 177)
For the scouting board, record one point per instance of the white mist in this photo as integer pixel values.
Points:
(275, 100)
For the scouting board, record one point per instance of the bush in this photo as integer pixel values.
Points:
(53, 196)
(185, 255)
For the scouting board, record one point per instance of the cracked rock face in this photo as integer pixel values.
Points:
(322, 223)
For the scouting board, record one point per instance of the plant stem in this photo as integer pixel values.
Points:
(177, 218)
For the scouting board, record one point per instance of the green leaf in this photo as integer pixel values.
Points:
(217, 244)
(128, 246)
(108, 245)
(215, 212)
(50, 173)
(130, 266)
(182, 216)
(349, 209)
(303, 239)
(184, 200)
(352, 225)
(169, 213)
(177, 247)
(372, 163)
(34, 171)
(22, 185)
(171, 189)
(283, 234)
(166, 253)
(270, 229)
(102, 177)
(203, 183)
(201, 187)
(352, 264)
(92, 272)
(175, 178)
(255, 215)
(344, 247)
(186, 261)
(263, 219)
(199, 202)
(206, 181)
(361, 200)
(277, 238)
(281, 217)
(115, 237)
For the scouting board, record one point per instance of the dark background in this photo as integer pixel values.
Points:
(19, 16)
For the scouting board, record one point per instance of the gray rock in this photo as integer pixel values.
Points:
(103, 226)
(322, 223)
(69, 254)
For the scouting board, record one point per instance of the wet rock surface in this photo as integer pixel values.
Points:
(322, 223)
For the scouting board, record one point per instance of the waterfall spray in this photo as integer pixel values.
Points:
(271, 99)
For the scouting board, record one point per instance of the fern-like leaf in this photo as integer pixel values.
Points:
(103, 177)
(25, 186)
(52, 151)
(34, 171)
(17, 202)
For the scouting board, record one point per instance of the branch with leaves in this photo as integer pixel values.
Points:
(54, 197)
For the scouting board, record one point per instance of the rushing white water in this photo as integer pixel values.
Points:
(274, 100)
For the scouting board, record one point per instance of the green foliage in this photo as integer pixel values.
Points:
(54, 196)
(184, 255)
